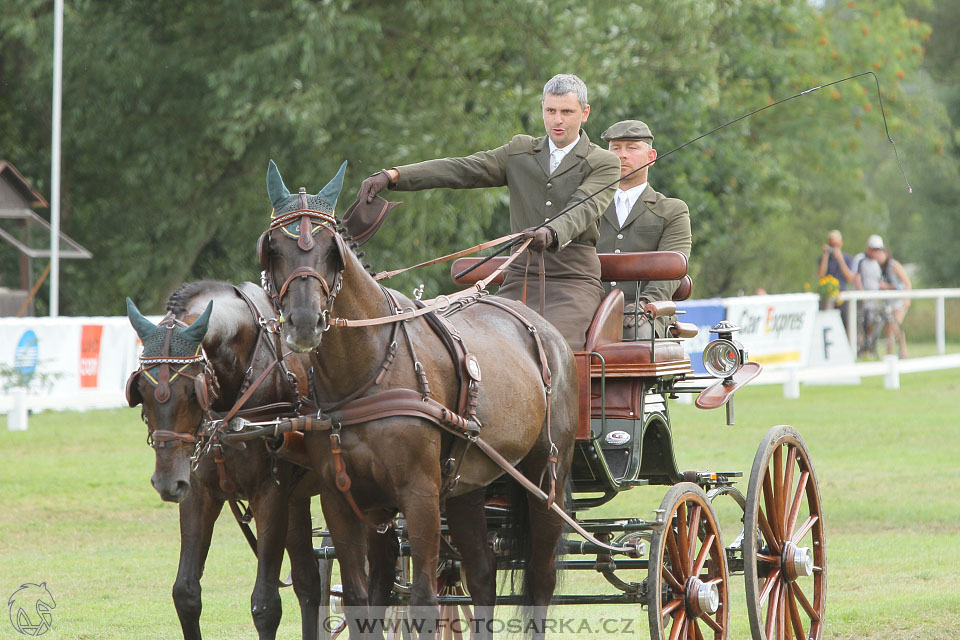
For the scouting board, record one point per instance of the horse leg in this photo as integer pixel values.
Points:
(421, 508)
(198, 513)
(269, 505)
(348, 535)
(468, 528)
(382, 553)
(303, 565)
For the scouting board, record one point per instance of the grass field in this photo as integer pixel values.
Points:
(77, 511)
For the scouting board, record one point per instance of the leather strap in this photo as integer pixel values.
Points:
(383, 275)
(544, 365)
(437, 304)
(536, 491)
(228, 486)
(343, 480)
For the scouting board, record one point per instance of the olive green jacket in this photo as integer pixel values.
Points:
(523, 164)
(656, 223)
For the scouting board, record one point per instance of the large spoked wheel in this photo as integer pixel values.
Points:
(687, 594)
(784, 552)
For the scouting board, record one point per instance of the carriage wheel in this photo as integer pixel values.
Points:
(687, 578)
(784, 552)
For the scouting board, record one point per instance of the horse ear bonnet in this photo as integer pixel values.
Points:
(285, 202)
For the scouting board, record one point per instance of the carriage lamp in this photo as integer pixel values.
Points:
(723, 356)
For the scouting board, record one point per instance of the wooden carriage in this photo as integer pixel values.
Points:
(625, 440)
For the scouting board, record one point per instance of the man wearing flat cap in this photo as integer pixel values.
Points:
(642, 219)
(544, 175)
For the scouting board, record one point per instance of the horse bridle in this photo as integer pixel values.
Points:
(205, 384)
(307, 217)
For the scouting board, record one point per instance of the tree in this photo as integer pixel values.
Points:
(172, 110)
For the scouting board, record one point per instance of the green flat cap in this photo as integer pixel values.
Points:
(628, 130)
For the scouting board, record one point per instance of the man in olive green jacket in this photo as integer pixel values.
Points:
(641, 219)
(545, 175)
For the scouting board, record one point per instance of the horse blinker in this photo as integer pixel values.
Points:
(134, 396)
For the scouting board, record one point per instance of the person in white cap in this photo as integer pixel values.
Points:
(869, 273)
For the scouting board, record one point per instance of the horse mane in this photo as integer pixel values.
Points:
(229, 311)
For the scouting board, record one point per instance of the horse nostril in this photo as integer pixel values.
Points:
(181, 490)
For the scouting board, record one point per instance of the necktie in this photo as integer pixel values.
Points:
(623, 207)
(555, 159)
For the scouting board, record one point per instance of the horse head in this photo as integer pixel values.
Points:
(175, 385)
(303, 258)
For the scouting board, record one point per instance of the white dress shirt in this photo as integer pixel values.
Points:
(625, 201)
(557, 154)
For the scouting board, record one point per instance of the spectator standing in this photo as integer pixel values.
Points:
(895, 277)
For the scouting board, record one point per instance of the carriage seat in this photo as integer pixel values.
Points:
(626, 359)
(614, 267)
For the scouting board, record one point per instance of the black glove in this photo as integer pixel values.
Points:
(543, 238)
(373, 185)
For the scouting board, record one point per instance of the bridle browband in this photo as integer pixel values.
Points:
(307, 217)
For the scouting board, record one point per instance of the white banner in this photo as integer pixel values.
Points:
(66, 362)
(777, 330)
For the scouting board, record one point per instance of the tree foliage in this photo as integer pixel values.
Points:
(171, 111)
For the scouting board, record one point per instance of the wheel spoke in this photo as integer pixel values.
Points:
(795, 615)
(682, 540)
(692, 537)
(665, 572)
(674, 553)
(802, 599)
(713, 624)
(768, 559)
(769, 502)
(772, 540)
(702, 557)
(782, 614)
(778, 488)
(768, 586)
(698, 635)
(670, 607)
(787, 486)
(679, 623)
(772, 611)
(795, 507)
(804, 528)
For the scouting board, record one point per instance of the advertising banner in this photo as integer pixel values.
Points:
(66, 363)
(703, 313)
(777, 330)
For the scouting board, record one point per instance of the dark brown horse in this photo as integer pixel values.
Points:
(174, 401)
(395, 463)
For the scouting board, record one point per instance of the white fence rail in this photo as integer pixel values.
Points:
(939, 295)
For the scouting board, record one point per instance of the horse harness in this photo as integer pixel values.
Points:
(207, 434)
(168, 368)
(305, 218)
(357, 408)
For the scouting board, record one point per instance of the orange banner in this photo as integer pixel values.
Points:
(90, 355)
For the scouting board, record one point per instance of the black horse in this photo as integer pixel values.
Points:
(188, 369)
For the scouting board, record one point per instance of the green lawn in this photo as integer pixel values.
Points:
(78, 512)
